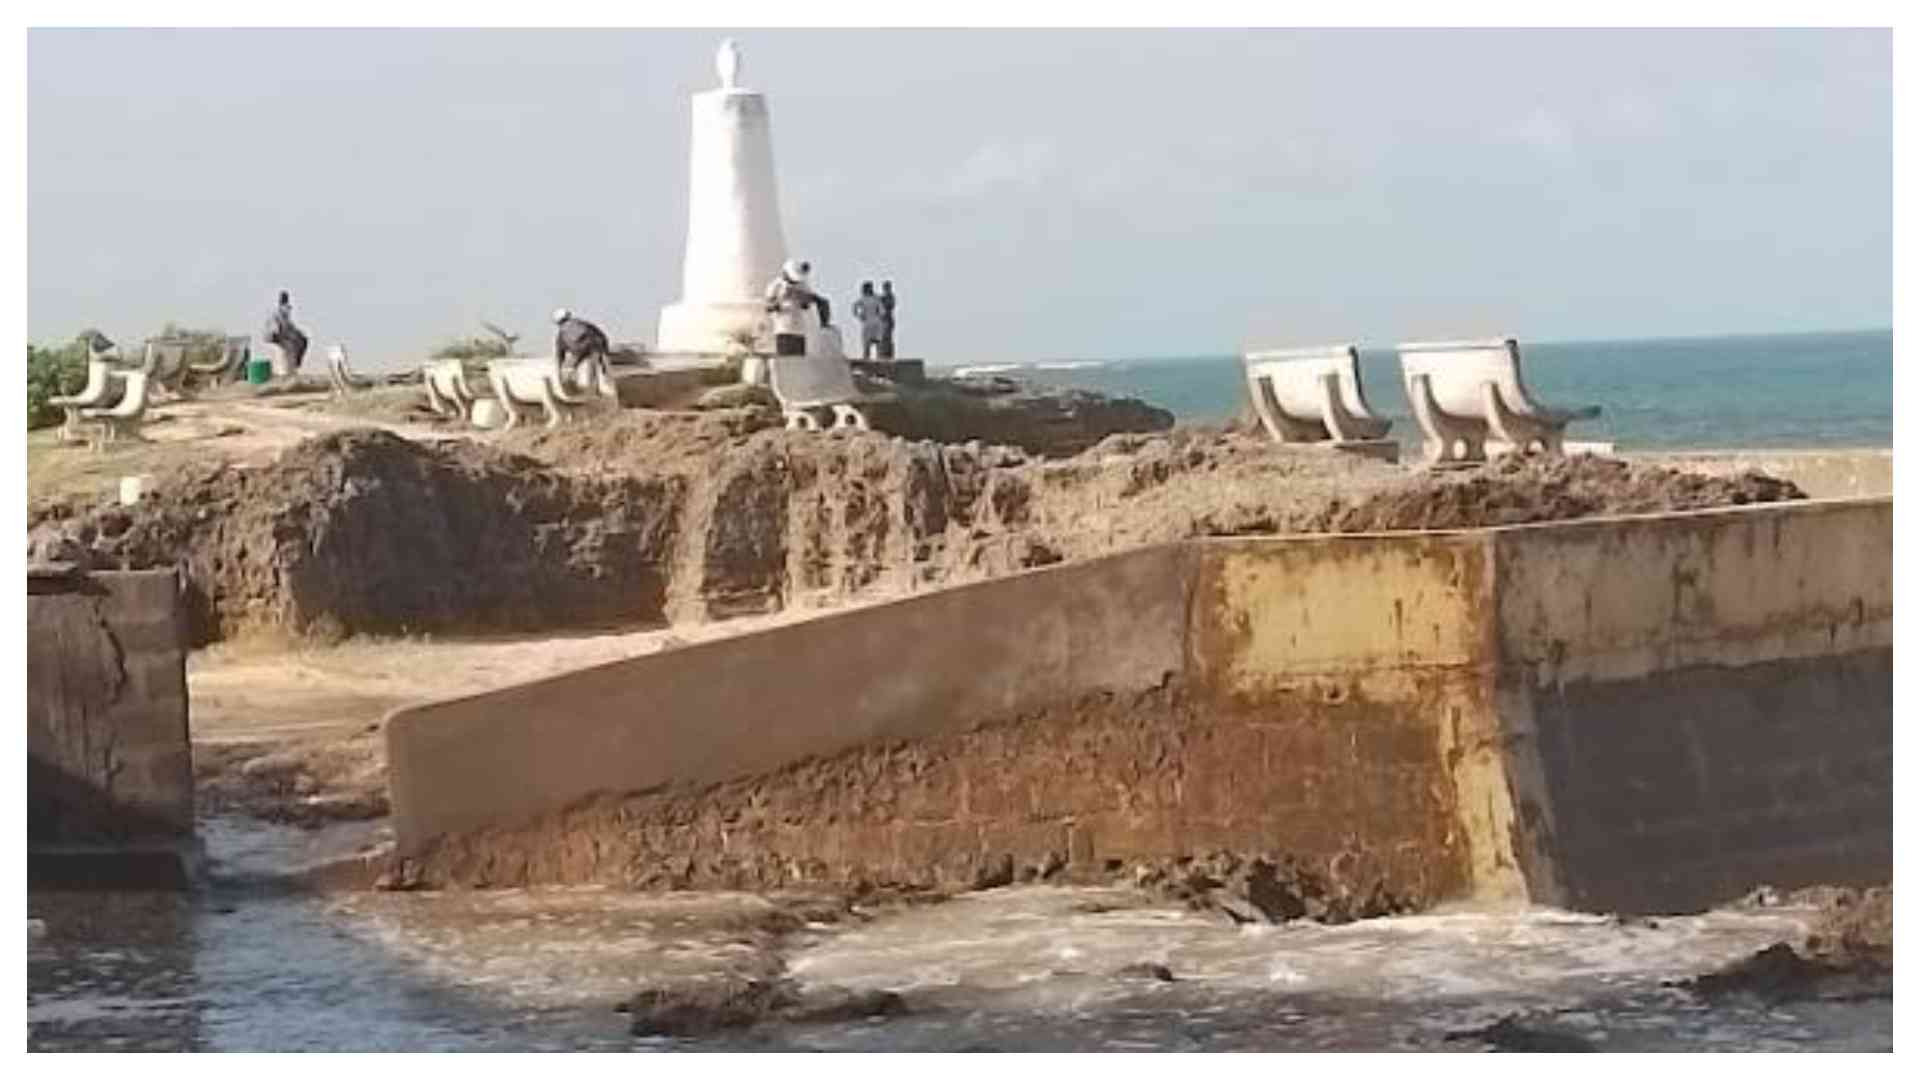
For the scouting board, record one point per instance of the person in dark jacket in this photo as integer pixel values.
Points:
(282, 333)
(886, 308)
(575, 341)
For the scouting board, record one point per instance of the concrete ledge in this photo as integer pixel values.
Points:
(1839, 473)
(109, 765)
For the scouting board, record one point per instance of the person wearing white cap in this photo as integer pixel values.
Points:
(788, 297)
(575, 341)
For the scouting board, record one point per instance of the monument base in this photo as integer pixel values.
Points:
(713, 329)
(708, 328)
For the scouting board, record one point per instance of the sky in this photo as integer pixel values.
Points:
(1032, 194)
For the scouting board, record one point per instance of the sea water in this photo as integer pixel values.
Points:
(1738, 392)
(1022, 968)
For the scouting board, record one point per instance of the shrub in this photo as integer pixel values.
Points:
(497, 343)
(52, 372)
(203, 346)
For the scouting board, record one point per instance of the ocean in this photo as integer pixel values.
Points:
(1771, 391)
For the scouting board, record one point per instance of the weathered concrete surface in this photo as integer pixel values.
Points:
(1716, 715)
(1491, 713)
(1822, 474)
(703, 715)
(108, 760)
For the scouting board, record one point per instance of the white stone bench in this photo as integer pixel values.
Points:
(122, 418)
(1468, 394)
(101, 390)
(164, 362)
(232, 364)
(1312, 395)
(528, 381)
(341, 380)
(808, 386)
(448, 392)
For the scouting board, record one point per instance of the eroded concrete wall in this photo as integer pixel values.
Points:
(912, 669)
(1646, 714)
(1286, 699)
(1700, 703)
(108, 759)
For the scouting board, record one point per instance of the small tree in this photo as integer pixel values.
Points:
(53, 372)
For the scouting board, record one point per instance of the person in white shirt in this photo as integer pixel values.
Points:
(788, 297)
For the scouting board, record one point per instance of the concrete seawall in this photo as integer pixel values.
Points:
(1822, 474)
(1421, 716)
(109, 765)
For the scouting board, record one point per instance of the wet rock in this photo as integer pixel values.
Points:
(703, 1006)
(1257, 889)
(1152, 971)
(834, 1004)
(1778, 974)
(1520, 1034)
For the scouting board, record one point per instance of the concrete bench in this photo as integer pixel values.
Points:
(164, 363)
(1467, 394)
(1312, 395)
(448, 392)
(809, 387)
(341, 380)
(122, 418)
(235, 352)
(101, 391)
(528, 381)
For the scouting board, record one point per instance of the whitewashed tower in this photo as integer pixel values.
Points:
(735, 243)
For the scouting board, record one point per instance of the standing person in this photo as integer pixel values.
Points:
(288, 338)
(578, 340)
(873, 321)
(788, 298)
(886, 304)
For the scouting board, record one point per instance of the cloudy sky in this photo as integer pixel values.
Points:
(1062, 194)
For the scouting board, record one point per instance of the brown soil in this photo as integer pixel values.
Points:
(365, 531)
(645, 517)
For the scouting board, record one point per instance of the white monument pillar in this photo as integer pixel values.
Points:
(735, 244)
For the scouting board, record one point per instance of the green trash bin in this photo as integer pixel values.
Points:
(259, 371)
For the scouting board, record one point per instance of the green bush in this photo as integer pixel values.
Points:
(496, 344)
(203, 346)
(50, 374)
(474, 348)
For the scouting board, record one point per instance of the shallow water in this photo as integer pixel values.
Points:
(235, 968)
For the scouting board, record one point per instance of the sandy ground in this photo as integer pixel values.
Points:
(254, 691)
(245, 431)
